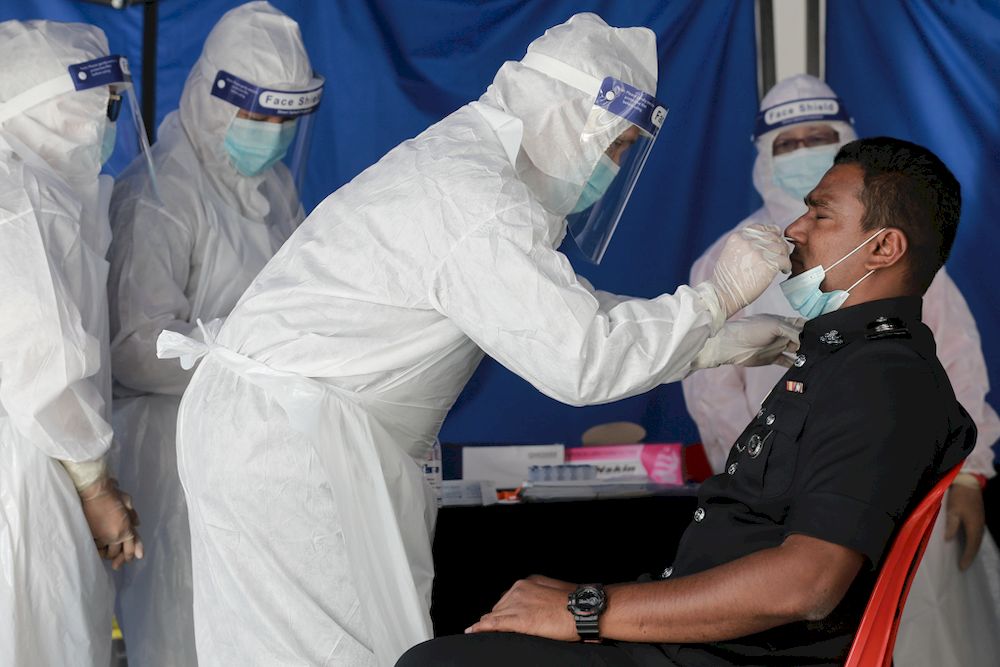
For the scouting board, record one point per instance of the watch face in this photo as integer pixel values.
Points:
(588, 601)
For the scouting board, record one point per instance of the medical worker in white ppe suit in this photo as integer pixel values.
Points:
(226, 203)
(298, 433)
(951, 616)
(60, 511)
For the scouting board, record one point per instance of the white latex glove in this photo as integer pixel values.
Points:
(964, 509)
(752, 341)
(108, 511)
(112, 521)
(750, 259)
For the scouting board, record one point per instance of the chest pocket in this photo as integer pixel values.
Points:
(780, 452)
(762, 462)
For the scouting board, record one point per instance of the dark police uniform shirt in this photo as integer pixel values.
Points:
(844, 447)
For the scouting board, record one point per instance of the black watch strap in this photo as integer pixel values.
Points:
(587, 628)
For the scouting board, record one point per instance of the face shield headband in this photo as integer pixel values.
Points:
(105, 71)
(267, 101)
(623, 125)
(812, 110)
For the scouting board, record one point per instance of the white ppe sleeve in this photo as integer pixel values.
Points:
(150, 267)
(48, 361)
(961, 353)
(523, 305)
(606, 300)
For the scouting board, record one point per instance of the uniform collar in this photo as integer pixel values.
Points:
(852, 322)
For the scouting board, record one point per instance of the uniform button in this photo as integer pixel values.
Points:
(754, 445)
(666, 573)
(732, 469)
(800, 360)
(699, 514)
(769, 420)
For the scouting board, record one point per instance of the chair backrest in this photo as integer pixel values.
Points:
(876, 635)
(696, 465)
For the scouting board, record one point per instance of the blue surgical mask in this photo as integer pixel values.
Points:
(798, 172)
(597, 184)
(805, 296)
(255, 145)
(108, 142)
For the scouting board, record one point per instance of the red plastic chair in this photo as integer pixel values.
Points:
(877, 633)
(696, 465)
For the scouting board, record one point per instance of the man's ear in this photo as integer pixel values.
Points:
(889, 248)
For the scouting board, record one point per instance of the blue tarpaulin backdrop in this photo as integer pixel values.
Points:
(393, 67)
(929, 72)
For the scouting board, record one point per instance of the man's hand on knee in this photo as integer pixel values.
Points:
(533, 606)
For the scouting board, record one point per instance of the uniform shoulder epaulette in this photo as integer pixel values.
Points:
(886, 327)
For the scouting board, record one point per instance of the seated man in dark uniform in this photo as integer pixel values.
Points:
(785, 545)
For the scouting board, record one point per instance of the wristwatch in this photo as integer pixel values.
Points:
(586, 604)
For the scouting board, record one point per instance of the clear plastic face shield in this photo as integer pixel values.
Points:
(269, 125)
(624, 122)
(124, 134)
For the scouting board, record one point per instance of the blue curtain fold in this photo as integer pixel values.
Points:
(928, 71)
(394, 67)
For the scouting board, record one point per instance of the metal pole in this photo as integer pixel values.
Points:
(765, 47)
(812, 38)
(149, 32)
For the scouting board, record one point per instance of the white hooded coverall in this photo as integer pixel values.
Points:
(950, 617)
(298, 434)
(55, 594)
(187, 255)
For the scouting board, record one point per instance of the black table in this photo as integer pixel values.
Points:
(480, 551)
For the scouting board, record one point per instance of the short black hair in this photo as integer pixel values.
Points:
(908, 187)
